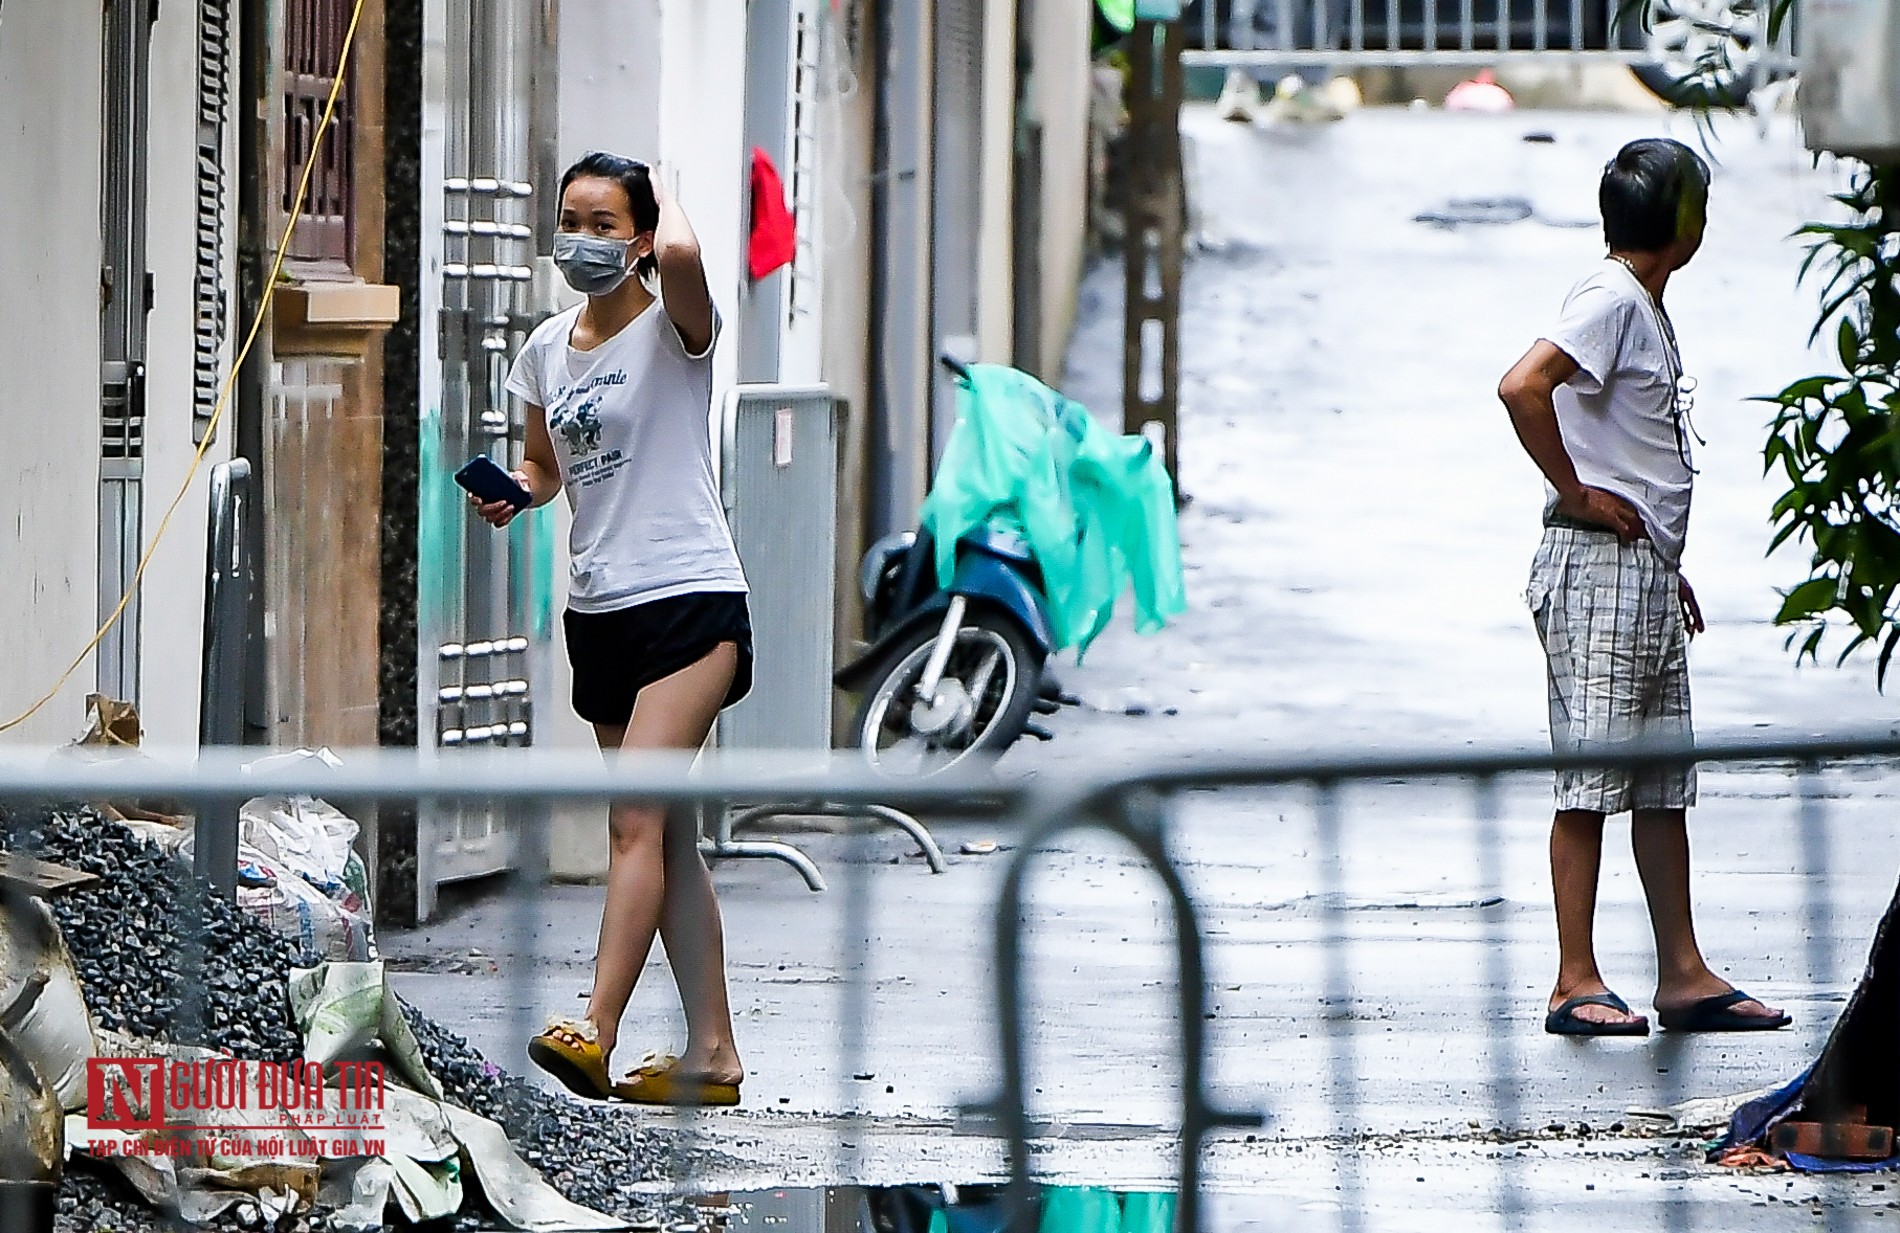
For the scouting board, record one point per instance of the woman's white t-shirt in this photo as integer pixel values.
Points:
(630, 426)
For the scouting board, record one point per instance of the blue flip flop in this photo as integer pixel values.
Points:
(1714, 1014)
(1564, 1022)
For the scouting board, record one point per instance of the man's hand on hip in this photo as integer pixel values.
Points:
(1606, 510)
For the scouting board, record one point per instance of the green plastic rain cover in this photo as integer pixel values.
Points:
(1096, 508)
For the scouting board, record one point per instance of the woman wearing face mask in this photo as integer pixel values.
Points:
(618, 392)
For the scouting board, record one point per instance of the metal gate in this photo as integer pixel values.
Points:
(484, 597)
(125, 298)
(1710, 50)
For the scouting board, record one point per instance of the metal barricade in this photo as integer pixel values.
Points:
(1143, 806)
(228, 582)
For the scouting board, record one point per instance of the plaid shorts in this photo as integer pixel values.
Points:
(1611, 622)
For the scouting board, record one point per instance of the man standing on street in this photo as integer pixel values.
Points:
(1600, 406)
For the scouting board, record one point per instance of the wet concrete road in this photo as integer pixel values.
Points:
(1356, 549)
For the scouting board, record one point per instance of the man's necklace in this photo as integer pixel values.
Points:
(1662, 316)
(1672, 358)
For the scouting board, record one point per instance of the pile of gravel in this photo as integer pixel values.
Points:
(125, 936)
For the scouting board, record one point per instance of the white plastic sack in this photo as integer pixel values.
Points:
(298, 869)
(301, 912)
(310, 838)
(358, 1195)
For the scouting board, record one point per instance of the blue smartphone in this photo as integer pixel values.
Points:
(489, 482)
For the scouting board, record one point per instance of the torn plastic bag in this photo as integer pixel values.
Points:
(345, 1010)
(42, 1005)
(357, 1194)
(423, 1155)
(298, 868)
(310, 838)
(518, 1194)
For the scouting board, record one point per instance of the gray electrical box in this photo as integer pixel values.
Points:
(1850, 77)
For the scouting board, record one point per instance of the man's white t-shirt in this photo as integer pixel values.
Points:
(1618, 413)
(631, 430)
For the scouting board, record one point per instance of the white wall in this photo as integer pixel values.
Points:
(1062, 80)
(171, 665)
(610, 79)
(50, 78)
(995, 307)
(702, 143)
(49, 345)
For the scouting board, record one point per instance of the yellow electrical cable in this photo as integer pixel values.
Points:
(230, 381)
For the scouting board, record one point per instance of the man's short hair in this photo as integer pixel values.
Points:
(1654, 192)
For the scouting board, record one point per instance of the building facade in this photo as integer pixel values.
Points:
(934, 155)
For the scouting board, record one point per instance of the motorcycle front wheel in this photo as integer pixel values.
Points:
(981, 705)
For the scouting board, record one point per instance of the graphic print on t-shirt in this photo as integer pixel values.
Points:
(574, 412)
(629, 421)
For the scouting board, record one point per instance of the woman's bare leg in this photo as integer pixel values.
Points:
(651, 888)
(694, 935)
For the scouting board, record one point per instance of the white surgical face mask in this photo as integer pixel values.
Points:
(592, 264)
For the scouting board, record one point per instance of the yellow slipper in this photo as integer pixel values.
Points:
(657, 1081)
(569, 1049)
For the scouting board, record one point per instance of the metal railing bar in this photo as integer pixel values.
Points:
(854, 954)
(1339, 1009)
(1139, 818)
(1218, 771)
(1819, 926)
(1499, 987)
(384, 774)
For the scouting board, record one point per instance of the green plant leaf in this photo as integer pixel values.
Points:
(1886, 657)
(1814, 595)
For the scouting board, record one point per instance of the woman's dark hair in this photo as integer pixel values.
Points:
(636, 179)
(1654, 192)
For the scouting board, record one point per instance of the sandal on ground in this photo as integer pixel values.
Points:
(1563, 1021)
(657, 1081)
(1716, 1014)
(569, 1049)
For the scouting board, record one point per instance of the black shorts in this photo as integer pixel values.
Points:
(617, 654)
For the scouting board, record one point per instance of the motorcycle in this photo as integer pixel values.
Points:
(953, 674)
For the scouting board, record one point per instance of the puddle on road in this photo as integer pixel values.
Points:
(936, 1209)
